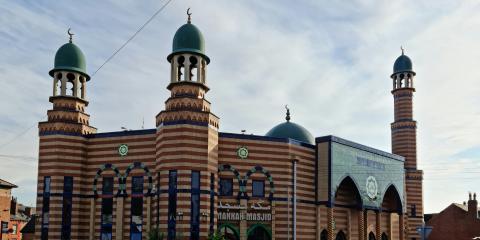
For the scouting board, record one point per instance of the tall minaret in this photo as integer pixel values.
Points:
(62, 148)
(187, 141)
(404, 141)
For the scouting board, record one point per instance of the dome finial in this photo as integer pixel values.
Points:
(70, 34)
(288, 113)
(401, 48)
(189, 16)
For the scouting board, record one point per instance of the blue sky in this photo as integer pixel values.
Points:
(330, 61)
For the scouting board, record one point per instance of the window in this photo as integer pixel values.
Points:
(107, 209)
(258, 188)
(195, 203)
(67, 208)
(137, 185)
(172, 204)
(14, 229)
(226, 187)
(45, 208)
(107, 187)
(413, 210)
(136, 208)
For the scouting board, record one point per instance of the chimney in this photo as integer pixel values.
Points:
(13, 206)
(473, 205)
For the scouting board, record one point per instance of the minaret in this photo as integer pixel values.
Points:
(62, 148)
(183, 129)
(69, 94)
(404, 141)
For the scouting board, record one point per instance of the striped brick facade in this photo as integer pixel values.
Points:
(76, 166)
(404, 143)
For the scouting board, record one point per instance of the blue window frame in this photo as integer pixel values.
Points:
(45, 208)
(195, 206)
(67, 208)
(172, 204)
(107, 209)
(226, 187)
(258, 188)
(136, 218)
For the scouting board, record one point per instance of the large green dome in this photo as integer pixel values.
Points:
(402, 64)
(188, 38)
(69, 57)
(291, 130)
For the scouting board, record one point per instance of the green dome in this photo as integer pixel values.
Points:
(188, 38)
(293, 131)
(402, 64)
(69, 57)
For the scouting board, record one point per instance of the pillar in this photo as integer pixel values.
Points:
(119, 219)
(91, 233)
(361, 225)
(75, 87)
(186, 70)
(84, 88)
(149, 213)
(401, 231)
(243, 223)
(273, 219)
(378, 229)
(365, 224)
(319, 229)
(63, 87)
(390, 229)
(330, 223)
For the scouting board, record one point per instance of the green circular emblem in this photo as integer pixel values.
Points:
(123, 150)
(372, 187)
(242, 152)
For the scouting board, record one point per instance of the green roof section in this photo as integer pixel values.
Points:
(188, 39)
(69, 57)
(403, 64)
(291, 130)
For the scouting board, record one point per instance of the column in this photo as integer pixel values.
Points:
(273, 219)
(401, 231)
(75, 86)
(55, 80)
(119, 219)
(361, 225)
(243, 223)
(91, 233)
(378, 230)
(319, 229)
(365, 224)
(186, 70)
(330, 223)
(84, 88)
(149, 213)
(64, 87)
(199, 69)
(390, 230)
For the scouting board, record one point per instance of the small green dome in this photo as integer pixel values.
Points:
(69, 57)
(293, 131)
(402, 64)
(188, 38)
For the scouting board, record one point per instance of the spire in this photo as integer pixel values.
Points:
(70, 34)
(403, 50)
(189, 20)
(288, 113)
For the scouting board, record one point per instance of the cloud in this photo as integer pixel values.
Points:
(329, 61)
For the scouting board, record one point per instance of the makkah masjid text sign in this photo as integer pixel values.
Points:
(256, 212)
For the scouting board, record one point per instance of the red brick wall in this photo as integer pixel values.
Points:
(454, 223)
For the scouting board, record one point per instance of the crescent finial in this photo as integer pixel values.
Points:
(189, 15)
(70, 34)
(288, 113)
(401, 48)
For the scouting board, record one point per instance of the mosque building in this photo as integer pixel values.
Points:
(189, 180)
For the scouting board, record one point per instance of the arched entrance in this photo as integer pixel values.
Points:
(259, 232)
(341, 236)
(228, 232)
(324, 235)
(384, 236)
(371, 236)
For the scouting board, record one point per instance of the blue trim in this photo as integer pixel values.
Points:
(332, 138)
(264, 138)
(48, 133)
(122, 133)
(180, 122)
(329, 204)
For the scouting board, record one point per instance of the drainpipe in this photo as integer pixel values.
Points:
(295, 199)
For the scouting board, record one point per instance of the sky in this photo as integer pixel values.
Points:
(330, 61)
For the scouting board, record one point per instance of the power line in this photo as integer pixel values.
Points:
(133, 36)
(20, 134)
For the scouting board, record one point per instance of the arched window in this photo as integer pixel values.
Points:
(341, 236)
(324, 235)
(384, 236)
(258, 232)
(371, 236)
(228, 232)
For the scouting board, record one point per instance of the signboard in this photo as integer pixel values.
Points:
(233, 212)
